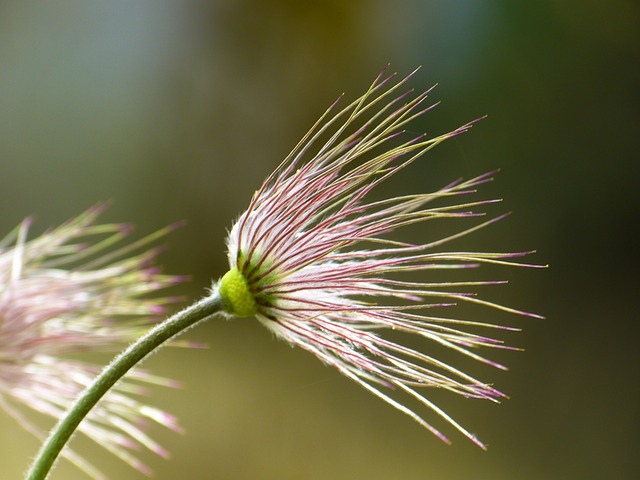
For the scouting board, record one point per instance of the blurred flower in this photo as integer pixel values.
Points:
(60, 296)
(310, 260)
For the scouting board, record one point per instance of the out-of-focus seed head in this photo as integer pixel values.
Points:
(71, 291)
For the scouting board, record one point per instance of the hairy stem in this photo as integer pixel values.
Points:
(135, 353)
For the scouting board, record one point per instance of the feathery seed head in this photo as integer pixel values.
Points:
(63, 293)
(311, 260)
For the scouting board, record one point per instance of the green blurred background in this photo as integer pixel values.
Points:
(176, 110)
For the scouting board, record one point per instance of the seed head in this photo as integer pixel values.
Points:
(62, 294)
(312, 259)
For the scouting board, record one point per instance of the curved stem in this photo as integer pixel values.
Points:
(136, 352)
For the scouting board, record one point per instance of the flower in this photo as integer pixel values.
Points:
(60, 296)
(311, 260)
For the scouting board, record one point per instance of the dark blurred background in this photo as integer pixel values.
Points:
(178, 110)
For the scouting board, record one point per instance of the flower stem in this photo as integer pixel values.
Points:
(135, 353)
